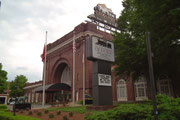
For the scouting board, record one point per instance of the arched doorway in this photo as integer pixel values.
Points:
(62, 75)
(121, 90)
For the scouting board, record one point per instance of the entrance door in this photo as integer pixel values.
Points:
(121, 90)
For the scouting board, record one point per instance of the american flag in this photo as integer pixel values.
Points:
(74, 46)
(74, 43)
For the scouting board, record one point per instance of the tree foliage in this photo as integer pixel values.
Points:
(162, 19)
(3, 80)
(17, 85)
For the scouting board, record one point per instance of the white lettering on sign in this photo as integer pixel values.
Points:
(104, 80)
(102, 49)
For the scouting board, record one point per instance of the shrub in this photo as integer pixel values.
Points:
(39, 113)
(58, 112)
(4, 108)
(21, 111)
(81, 102)
(65, 117)
(51, 115)
(27, 109)
(168, 108)
(30, 113)
(46, 111)
(70, 114)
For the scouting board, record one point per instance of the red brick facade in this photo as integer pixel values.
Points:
(60, 52)
(60, 55)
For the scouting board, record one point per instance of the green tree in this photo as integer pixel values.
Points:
(160, 18)
(3, 80)
(17, 85)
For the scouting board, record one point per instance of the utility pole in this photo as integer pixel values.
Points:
(149, 53)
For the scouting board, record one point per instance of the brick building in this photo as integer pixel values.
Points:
(59, 70)
(33, 97)
(5, 97)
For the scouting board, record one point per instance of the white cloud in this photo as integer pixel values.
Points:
(23, 24)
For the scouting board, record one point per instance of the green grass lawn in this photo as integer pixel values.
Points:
(6, 115)
(9, 116)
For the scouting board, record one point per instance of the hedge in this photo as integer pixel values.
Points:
(168, 108)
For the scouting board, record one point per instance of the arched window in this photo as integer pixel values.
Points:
(140, 88)
(164, 86)
(66, 76)
(121, 90)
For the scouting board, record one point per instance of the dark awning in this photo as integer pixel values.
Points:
(53, 87)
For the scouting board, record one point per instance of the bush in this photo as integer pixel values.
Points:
(46, 111)
(58, 112)
(30, 113)
(39, 113)
(51, 115)
(168, 108)
(4, 108)
(27, 109)
(70, 114)
(65, 117)
(81, 102)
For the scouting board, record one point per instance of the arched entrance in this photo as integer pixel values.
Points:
(62, 75)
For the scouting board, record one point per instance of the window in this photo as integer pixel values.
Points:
(29, 97)
(32, 98)
(37, 97)
(66, 76)
(121, 90)
(164, 86)
(140, 88)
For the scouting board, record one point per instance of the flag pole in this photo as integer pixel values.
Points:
(73, 67)
(44, 70)
(83, 60)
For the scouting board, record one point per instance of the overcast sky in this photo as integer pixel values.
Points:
(22, 30)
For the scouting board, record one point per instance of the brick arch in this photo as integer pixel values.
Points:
(59, 66)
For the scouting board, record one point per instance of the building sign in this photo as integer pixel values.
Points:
(104, 80)
(101, 49)
(105, 14)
